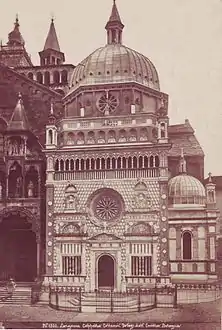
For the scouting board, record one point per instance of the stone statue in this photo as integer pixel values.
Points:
(18, 186)
(30, 189)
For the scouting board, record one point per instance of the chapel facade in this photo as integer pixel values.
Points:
(108, 192)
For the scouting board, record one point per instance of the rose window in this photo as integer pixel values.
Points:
(106, 206)
(107, 103)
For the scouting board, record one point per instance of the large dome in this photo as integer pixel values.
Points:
(185, 189)
(115, 63)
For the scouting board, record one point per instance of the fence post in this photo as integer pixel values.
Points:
(139, 299)
(50, 295)
(155, 296)
(80, 299)
(111, 300)
(175, 296)
(57, 299)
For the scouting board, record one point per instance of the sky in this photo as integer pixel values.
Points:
(183, 38)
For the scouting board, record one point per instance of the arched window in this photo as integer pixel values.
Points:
(92, 164)
(77, 164)
(64, 76)
(82, 164)
(108, 162)
(61, 165)
(67, 165)
(57, 165)
(187, 245)
(140, 162)
(56, 77)
(47, 78)
(134, 162)
(157, 161)
(50, 136)
(119, 162)
(87, 164)
(146, 163)
(103, 164)
(124, 163)
(53, 60)
(98, 164)
(151, 161)
(130, 162)
(39, 77)
(72, 165)
(30, 75)
(113, 163)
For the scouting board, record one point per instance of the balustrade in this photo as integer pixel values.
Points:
(192, 266)
(107, 174)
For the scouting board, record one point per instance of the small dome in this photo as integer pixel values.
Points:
(185, 189)
(115, 63)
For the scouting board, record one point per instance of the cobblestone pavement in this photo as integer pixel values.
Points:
(207, 314)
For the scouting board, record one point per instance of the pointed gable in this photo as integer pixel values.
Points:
(52, 40)
(19, 121)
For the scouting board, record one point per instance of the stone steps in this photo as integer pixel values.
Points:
(21, 296)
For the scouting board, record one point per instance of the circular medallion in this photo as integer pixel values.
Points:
(50, 224)
(49, 243)
(164, 263)
(107, 103)
(49, 203)
(49, 263)
(164, 196)
(106, 206)
(163, 218)
(164, 207)
(164, 240)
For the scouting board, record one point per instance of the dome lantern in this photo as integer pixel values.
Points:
(114, 27)
(185, 189)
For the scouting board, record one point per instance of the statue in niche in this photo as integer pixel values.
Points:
(141, 199)
(132, 138)
(101, 139)
(72, 202)
(143, 136)
(30, 189)
(22, 148)
(18, 187)
(70, 140)
(122, 137)
(80, 140)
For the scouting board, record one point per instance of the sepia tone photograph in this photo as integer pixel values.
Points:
(111, 164)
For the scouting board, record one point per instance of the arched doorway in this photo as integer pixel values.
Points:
(18, 249)
(106, 271)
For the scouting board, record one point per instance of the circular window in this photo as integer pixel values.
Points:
(107, 103)
(106, 206)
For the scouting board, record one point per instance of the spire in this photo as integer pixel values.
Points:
(19, 121)
(15, 38)
(114, 26)
(51, 54)
(52, 40)
(183, 163)
(114, 17)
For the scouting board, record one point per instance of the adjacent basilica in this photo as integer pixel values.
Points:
(97, 189)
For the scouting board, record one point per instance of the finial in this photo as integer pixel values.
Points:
(16, 20)
(52, 17)
(114, 2)
(19, 95)
(210, 177)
